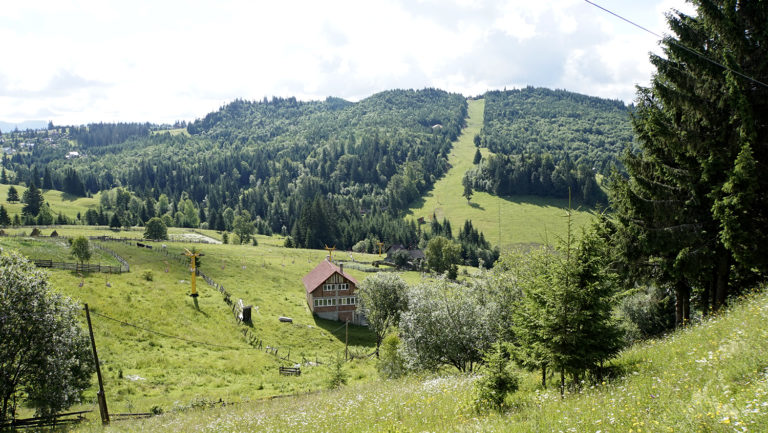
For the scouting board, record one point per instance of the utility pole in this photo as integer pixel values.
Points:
(100, 395)
(346, 341)
(380, 244)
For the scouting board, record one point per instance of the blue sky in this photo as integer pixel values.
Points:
(78, 62)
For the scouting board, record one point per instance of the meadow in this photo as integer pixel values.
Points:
(709, 377)
(506, 221)
(59, 201)
(182, 353)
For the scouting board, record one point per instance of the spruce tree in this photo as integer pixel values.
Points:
(5, 220)
(33, 200)
(692, 213)
(13, 194)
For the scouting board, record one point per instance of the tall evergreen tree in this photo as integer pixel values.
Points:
(33, 200)
(13, 194)
(47, 180)
(5, 220)
(692, 213)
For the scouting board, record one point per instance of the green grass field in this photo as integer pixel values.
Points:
(143, 369)
(67, 204)
(711, 377)
(506, 221)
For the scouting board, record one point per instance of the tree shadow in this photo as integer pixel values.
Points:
(358, 335)
(476, 206)
(65, 196)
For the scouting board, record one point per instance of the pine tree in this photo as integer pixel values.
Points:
(693, 209)
(13, 195)
(33, 200)
(47, 181)
(5, 220)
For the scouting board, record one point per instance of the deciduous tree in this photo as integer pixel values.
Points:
(45, 355)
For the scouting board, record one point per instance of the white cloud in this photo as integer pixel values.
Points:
(92, 60)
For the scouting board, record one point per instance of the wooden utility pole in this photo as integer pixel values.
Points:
(346, 341)
(100, 395)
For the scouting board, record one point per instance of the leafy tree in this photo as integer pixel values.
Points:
(33, 200)
(446, 324)
(81, 249)
(382, 299)
(155, 229)
(13, 195)
(5, 220)
(45, 354)
(442, 254)
(243, 226)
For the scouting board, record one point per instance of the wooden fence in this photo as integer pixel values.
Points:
(78, 267)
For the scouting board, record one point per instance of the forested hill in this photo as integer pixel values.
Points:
(307, 168)
(549, 140)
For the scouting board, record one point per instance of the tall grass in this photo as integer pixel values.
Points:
(709, 378)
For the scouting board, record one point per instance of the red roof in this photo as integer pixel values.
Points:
(321, 273)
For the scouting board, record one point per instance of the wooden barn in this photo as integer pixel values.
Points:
(331, 293)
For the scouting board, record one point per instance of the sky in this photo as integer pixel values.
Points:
(78, 62)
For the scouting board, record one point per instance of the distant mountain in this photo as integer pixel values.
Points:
(27, 124)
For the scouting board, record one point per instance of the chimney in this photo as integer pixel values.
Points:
(341, 268)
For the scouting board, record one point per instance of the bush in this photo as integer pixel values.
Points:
(338, 375)
(648, 313)
(225, 238)
(148, 275)
(35, 232)
(391, 364)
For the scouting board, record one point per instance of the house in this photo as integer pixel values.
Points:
(73, 154)
(331, 293)
(416, 256)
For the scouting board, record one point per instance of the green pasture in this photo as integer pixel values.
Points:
(55, 249)
(506, 221)
(143, 369)
(711, 377)
(67, 204)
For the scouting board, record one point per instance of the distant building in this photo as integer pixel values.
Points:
(416, 255)
(331, 293)
(73, 154)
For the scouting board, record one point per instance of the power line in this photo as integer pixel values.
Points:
(163, 334)
(675, 43)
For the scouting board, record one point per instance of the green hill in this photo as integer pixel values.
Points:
(711, 377)
(211, 359)
(67, 204)
(508, 221)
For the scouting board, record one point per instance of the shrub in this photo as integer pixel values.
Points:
(338, 375)
(499, 380)
(391, 364)
(148, 275)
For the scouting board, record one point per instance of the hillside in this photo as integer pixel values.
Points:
(590, 130)
(710, 377)
(67, 204)
(215, 360)
(506, 221)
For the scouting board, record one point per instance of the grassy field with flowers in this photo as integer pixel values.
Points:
(711, 377)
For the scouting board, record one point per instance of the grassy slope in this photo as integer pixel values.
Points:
(60, 202)
(175, 372)
(524, 219)
(709, 378)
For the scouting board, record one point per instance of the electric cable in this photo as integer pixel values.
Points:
(677, 44)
